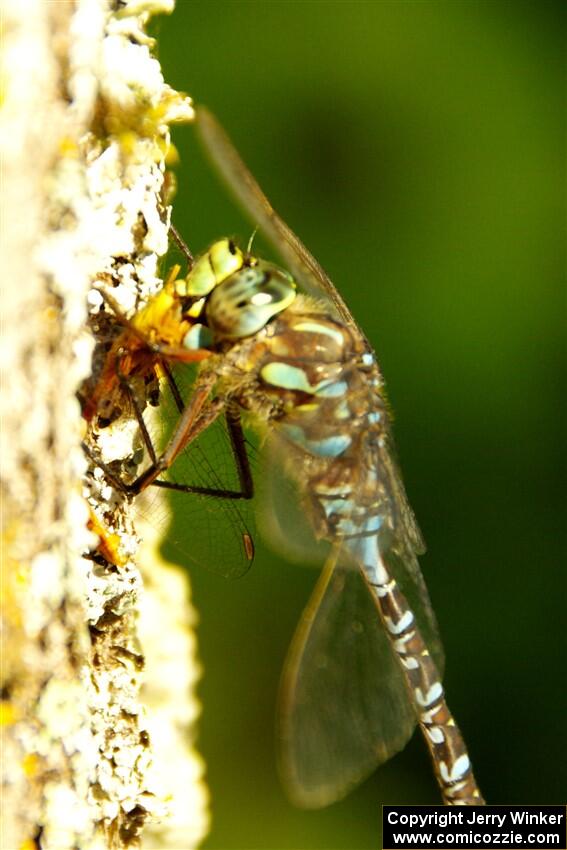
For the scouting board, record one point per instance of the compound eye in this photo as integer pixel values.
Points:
(223, 259)
(245, 302)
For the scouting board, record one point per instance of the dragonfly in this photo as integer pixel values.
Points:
(282, 349)
(365, 663)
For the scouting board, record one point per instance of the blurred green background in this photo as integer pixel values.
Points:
(417, 149)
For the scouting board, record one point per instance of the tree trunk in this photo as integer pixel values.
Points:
(97, 709)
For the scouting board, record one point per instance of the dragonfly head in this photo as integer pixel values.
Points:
(246, 301)
(234, 293)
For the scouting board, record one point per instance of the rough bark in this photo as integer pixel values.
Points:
(98, 660)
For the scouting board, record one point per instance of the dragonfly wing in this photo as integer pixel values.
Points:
(282, 517)
(237, 176)
(344, 708)
(403, 518)
(401, 542)
(208, 529)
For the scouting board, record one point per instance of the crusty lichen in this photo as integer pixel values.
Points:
(84, 136)
(169, 697)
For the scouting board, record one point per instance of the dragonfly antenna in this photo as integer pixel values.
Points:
(251, 240)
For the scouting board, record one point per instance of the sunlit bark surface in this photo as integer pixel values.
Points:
(97, 709)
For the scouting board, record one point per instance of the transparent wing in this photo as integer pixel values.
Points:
(344, 705)
(281, 514)
(401, 532)
(299, 261)
(344, 708)
(404, 523)
(284, 516)
(209, 529)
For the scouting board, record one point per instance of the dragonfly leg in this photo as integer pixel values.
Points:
(182, 245)
(238, 445)
(174, 389)
(114, 479)
(121, 315)
(194, 420)
(127, 387)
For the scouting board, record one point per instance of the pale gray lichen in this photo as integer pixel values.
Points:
(169, 697)
(84, 137)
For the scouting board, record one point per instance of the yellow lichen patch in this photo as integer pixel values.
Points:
(131, 122)
(109, 543)
(13, 578)
(30, 765)
(174, 107)
(8, 713)
(127, 139)
(171, 155)
(68, 147)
